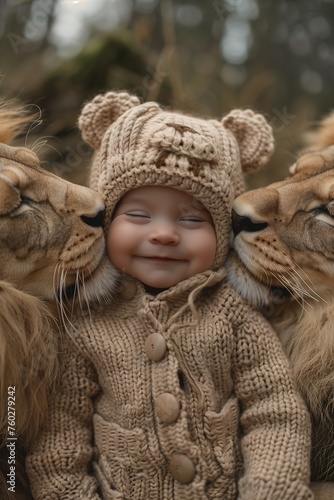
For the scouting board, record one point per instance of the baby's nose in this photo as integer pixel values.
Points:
(165, 233)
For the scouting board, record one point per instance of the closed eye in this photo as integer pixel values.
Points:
(193, 222)
(323, 210)
(192, 219)
(137, 213)
(138, 216)
(26, 201)
(323, 215)
(24, 205)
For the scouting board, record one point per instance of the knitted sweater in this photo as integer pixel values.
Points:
(156, 403)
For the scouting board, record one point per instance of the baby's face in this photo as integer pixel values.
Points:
(161, 236)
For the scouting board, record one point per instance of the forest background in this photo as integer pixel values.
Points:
(200, 56)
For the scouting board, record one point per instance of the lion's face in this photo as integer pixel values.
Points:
(51, 235)
(284, 233)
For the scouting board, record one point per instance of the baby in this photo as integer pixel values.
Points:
(177, 390)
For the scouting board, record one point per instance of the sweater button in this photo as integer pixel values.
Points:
(155, 347)
(182, 468)
(128, 290)
(167, 408)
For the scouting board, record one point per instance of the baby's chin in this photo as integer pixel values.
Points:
(156, 278)
(164, 284)
(160, 281)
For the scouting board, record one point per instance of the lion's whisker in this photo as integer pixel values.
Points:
(299, 287)
(76, 292)
(310, 286)
(82, 293)
(36, 123)
(41, 142)
(86, 297)
(55, 281)
(299, 298)
(296, 286)
(61, 303)
(65, 318)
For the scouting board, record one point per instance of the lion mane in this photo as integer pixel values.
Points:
(52, 254)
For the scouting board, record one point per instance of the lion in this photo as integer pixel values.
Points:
(52, 252)
(283, 262)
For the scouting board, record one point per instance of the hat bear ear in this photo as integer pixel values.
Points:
(97, 116)
(254, 136)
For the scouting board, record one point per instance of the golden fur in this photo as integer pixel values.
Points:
(13, 120)
(284, 238)
(51, 246)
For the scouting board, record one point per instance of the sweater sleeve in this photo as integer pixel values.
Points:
(275, 423)
(59, 463)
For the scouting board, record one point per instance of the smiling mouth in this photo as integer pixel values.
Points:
(162, 259)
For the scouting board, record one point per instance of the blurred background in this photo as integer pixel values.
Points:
(201, 56)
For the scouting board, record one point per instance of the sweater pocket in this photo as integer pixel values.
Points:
(222, 431)
(121, 460)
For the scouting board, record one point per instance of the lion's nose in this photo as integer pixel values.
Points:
(244, 223)
(95, 220)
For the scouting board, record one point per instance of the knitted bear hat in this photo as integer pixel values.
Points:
(142, 144)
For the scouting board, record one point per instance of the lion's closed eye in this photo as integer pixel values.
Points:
(24, 204)
(324, 214)
(26, 200)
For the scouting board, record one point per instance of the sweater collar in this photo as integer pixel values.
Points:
(177, 293)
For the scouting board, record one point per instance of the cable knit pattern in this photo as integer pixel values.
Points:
(229, 378)
(252, 132)
(99, 115)
(158, 401)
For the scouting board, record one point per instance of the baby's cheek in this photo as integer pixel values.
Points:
(115, 242)
(205, 245)
(122, 241)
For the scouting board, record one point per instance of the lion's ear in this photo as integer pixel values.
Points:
(26, 156)
(97, 116)
(9, 197)
(254, 136)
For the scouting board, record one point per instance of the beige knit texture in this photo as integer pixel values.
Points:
(241, 422)
(142, 144)
(236, 419)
